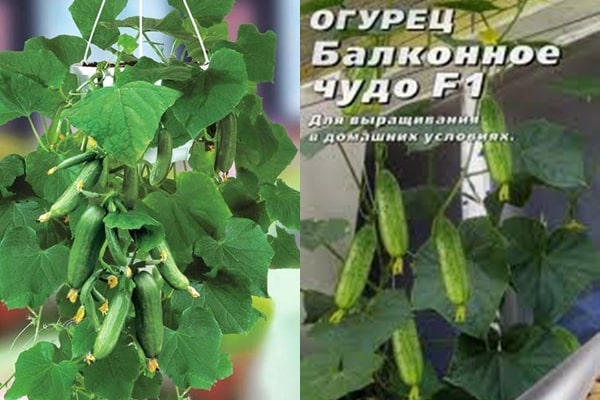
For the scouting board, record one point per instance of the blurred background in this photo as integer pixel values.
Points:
(266, 362)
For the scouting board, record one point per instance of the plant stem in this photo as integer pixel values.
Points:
(155, 48)
(349, 164)
(36, 133)
(10, 378)
(333, 251)
(520, 8)
(459, 181)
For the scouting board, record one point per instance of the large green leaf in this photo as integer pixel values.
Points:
(549, 270)
(283, 203)
(146, 387)
(367, 330)
(423, 202)
(212, 94)
(550, 153)
(243, 250)
(83, 337)
(285, 248)
(206, 12)
(11, 167)
(84, 14)
(145, 230)
(228, 296)
(68, 49)
(585, 87)
(316, 305)
(42, 374)
(196, 207)
(487, 271)
(502, 371)
(315, 233)
(131, 115)
(258, 50)
(286, 152)
(325, 377)
(41, 66)
(113, 377)
(191, 354)
(48, 187)
(256, 139)
(21, 96)
(29, 275)
(26, 213)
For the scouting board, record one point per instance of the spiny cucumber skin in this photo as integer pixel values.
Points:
(89, 238)
(391, 215)
(148, 314)
(111, 327)
(164, 156)
(453, 265)
(408, 355)
(355, 271)
(497, 154)
(227, 144)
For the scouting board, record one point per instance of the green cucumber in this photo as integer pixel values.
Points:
(148, 316)
(227, 142)
(170, 271)
(72, 161)
(89, 238)
(70, 198)
(453, 265)
(130, 186)
(409, 356)
(355, 271)
(114, 246)
(391, 217)
(498, 155)
(160, 169)
(110, 330)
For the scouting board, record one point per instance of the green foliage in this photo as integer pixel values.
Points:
(548, 266)
(224, 232)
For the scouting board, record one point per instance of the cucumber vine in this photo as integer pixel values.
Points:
(149, 259)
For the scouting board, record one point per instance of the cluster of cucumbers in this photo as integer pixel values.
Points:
(104, 255)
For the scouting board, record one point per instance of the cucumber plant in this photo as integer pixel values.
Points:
(446, 329)
(149, 261)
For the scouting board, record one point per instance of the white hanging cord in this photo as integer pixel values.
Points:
(197, 31)
(141, 27)
(89, 42)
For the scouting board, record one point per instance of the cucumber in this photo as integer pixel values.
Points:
(114, 246)
(130, 186)
(227, 142)
(164, 156)
(169, 271)
(72, 161)
(453, 265)
(409, 356)
(110, 330)
(498, 155)
(355, 271)
(89, 238)
(391, 218)
(70, 198)
(148, 317)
